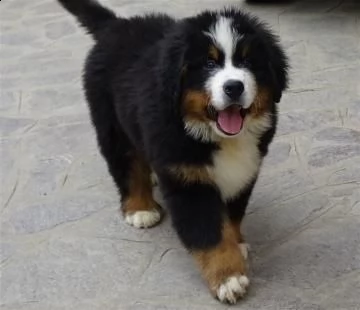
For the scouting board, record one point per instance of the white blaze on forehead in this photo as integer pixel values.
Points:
(224, 36)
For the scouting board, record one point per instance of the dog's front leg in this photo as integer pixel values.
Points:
(200, 219)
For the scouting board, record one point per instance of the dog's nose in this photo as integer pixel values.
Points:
(233, 89)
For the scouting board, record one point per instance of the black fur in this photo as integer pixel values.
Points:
(90, 14)
(133, 83)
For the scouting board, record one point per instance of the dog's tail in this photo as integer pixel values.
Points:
(90, 14)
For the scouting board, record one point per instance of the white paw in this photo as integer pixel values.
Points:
(232, 289)
(143, 219)
(244, 249)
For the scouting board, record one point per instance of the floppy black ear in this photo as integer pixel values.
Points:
(278, 66)
(164, 120)
(275, 83)
(172, 67)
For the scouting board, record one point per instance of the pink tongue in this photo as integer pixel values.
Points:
(230, 120)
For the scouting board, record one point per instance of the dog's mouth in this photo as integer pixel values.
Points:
(229, 121)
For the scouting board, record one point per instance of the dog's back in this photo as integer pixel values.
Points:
(122, 45)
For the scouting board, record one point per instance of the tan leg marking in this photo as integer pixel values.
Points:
(140, 209)
(224, 267)
(244, 247)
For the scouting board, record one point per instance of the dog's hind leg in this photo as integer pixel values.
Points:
(129, 171)
(132, 176)
(139, 207)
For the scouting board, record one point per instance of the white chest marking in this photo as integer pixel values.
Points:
(235, 166)
(239, 160)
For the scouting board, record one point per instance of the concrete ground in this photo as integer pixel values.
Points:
(63, 242)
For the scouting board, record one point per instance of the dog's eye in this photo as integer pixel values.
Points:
(210, 64)
(246, 63)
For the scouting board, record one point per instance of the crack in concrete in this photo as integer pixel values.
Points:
(12, 192)
(334, 7)
(164, 253)
(306, 223)
(20, 102)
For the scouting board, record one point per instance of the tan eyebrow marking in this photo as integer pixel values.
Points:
(245, 51)
(214, 52)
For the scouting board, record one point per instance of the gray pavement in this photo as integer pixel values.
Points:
(64, 244)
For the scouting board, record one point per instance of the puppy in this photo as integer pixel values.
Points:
(193, 100)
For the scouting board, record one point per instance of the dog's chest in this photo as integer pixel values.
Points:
(235, 165)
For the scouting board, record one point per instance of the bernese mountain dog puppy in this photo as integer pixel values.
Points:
(194, 101)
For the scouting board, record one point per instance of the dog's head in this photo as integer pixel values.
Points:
(225, 70)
